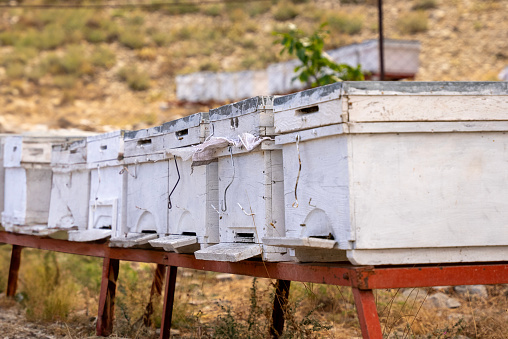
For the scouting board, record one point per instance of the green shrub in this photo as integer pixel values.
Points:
(135, 79)
(285, 11)
(95, 35)
(8, 38)
(103, 57)
(132, 39)
(49, 293)
(213, 10)
(424, 4)
(344, 23)
(179, 10)
(257, 8)
(412, 23)
(51, 37)
(15, 70)
(160, 38)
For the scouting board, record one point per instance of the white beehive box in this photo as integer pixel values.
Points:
(2, 176)
(108, 186)
(250, 185)
(70, 191)
(27, 183)
(395, 173)
(146, 167)
(192, 190)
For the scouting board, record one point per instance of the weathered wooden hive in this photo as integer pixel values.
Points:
(146, 169)
(70, 190)
(250, 183)
(27, 163)
(108, 184)
(192, 188)
(395, 173)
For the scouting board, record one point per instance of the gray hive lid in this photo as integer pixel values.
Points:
(69, 153)
(193, 120)
(336, 90)
(425, 88)
(143, 133)
(309, 97)
(119, 133)
(241, 108)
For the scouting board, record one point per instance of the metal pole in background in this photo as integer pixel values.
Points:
(381, 42)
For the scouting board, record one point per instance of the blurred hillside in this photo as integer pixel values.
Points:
(100, 69)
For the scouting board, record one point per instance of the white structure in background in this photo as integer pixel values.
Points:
(401, 61)
(70, 191)
(27, 190)
(503, 75)
(395, 173)
(250, 184)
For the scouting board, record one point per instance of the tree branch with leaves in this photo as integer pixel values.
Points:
(317, 68)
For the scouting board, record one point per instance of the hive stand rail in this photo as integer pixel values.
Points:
(362, 279)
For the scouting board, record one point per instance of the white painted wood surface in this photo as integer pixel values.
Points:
(107, 206)
(139, 240)
(177, 243)
(232, 252)
(70, 189)
(415, 174)
(254, 116)
(147, 197)
(191, 211)
(105, 147)
(250, 203)
(27, 178)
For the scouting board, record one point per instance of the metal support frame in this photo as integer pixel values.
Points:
(169, 298)
(110, 270)
(280, 302)
(12, 282)
(363, 279)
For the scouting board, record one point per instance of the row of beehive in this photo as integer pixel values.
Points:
(373, 172)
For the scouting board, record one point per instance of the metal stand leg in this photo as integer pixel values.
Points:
(169, 298)
(110, 271)
(279, 305)
(12, 283)
(158, 280)
(367, 314)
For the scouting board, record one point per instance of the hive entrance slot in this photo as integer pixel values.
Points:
(104, 147)
(105, 227)
(328, 237)
(74, 151)
(35, 151)
(182, 133)
(144, 142)
(307, 110)
(193, 234)
(148, 231)
(244, 237)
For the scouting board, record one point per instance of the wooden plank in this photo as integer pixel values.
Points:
(169, 298)
(367, 314)
(279, 307)
(12, 282)
(110, 270)
(427, 108)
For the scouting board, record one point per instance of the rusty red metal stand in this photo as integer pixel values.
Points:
(12, 282)
(110, 270)
(280, 301)
(362, 279)
(169, 298)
